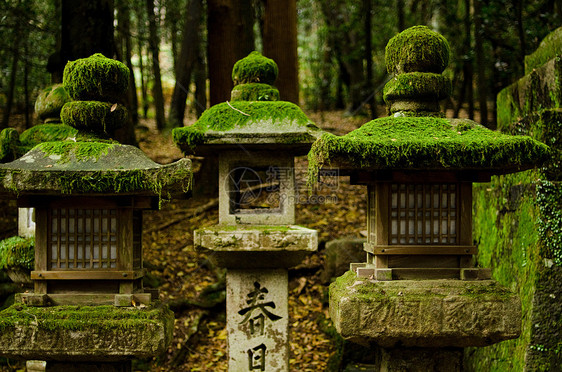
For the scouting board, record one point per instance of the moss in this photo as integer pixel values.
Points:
(96, 78)
(228, 116)
(417, 49)
(425, 143)
(254, 92)
(94, 116)
(46, 133)
(550, 47)
(50, 101)
(549, 201)
(427, 86)
(78, 151)
(17, 252)
(81, 318)
(9, 143)
(255, 68)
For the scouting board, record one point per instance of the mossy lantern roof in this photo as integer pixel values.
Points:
(89, 163)
(253, 119)
(416, 138)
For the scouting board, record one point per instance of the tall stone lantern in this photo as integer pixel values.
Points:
(256, 138)
(88, 309)
(418, 296)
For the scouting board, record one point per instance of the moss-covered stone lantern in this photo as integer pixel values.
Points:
(256, 138)
(88, 303)
(419, 167)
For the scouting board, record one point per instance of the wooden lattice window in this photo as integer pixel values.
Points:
(82, 238)
(424, 214)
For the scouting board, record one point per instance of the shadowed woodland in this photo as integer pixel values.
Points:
(331, 62)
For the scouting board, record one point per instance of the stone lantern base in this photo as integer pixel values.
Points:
(423, 325)
(89, 336)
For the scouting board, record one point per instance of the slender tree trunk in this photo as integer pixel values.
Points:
(480, 63)
(400, 12)
(518, 5)
(154, 51)
(280, 44)
(26, 85)
(12, 85)
(468, 65)
(228, 39)
(143, 79)
(369, 88)
(200, 101)
(188, 56)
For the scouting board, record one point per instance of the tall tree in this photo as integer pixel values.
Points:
(480, 63)
(86, 28)
(280, 44)
(153, 42)
(229, 38)
(369, 87)
(189, 53)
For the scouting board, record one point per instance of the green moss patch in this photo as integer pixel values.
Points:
(240, 116)
(96, 78)
(9, 143)
(17, 252)
(255, 68)
(94, 116)
(78, 318)
(417, 49)
(254, 92)
(78, 151)
(50, 101)
(549, 201)
(46, 133)
(426, 143)
(550, 47)
(427, 86)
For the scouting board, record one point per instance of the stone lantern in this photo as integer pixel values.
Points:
(89, 193)
(256, 138)
(418, 291)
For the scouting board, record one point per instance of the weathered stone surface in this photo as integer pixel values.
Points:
(421, 360)
(340, 253)
(50, 102)
(432, 313)
(257, 320)
(84, 333)
(255, 246)
(539, 90)
(550, 47)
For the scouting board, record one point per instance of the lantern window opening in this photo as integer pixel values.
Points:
(255, 189)
(83, 238)
(424, 214)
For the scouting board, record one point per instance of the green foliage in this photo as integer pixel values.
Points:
(50, 101)
(94, 116)
(417, 49)
(81, 318)
(9, 142)
(78, 151)
(46, 133)
(17, 252)
(549, 201)
(425, 143)
(255, 68)
(96, 78)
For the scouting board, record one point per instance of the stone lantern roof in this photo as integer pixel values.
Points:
(417, 136)
(254, 118)
(90, 162)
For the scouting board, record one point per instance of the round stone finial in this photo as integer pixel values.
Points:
(96, 78)
(255, 68)
(49, 103)
(417, 49)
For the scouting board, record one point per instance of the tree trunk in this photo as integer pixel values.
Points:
(188, 56)
(143, 79)
(200, 76)
(228, 40)
(86, 28)
(467, 66)
(154, 51)
(280, 44)
(369, 88)
(518, 5)
(480, 63)
(400, 11)
(12, 85)
(26, 85)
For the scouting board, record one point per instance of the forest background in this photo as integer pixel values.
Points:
(331, 60)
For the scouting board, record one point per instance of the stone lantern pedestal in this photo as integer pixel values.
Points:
(255, 138)
(88, 310)
(418, 296)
